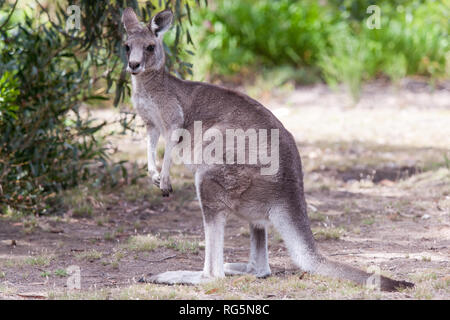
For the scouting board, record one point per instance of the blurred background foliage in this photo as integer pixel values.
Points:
(49, 75)
(324, 40)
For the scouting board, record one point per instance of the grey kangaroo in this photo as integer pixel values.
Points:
(166, 104)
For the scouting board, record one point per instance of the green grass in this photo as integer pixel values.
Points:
(83, 211)
(10, 213)
(330, 41)
(141, 243)
(30, 225)
(317, 216)
(368, 221)
(183, 246)
(327, 233)
(45, 274)
(89, 255)
(42, 260)
(144, 191)
(60, 273)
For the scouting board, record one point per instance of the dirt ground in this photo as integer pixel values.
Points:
(377, 179)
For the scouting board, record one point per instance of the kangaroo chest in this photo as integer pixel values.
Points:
(148, 110)
(160, 109)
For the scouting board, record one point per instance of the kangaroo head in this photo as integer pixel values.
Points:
(144, 46)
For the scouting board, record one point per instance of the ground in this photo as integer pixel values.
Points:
(377, 179)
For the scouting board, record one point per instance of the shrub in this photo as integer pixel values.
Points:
(412, 40)
(47, 143)
(239, 37)
(242, 34)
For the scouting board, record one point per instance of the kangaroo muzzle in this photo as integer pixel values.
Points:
(136, 63)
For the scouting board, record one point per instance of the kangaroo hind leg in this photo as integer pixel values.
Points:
(258, 264)
(214, 218)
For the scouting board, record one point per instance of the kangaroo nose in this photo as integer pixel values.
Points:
(134, 65)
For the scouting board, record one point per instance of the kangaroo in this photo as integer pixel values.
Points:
(167, 104)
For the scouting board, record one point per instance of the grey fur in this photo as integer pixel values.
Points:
(166, 104)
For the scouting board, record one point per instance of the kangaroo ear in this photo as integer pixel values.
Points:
(161, 22)
(130, 20)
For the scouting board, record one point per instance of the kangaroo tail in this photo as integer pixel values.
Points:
(298, 238)
(342, 271)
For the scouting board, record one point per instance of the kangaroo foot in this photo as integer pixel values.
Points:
(180, 277)
(232, 269)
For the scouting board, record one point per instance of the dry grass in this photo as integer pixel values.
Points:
(144, 243)
(327, 233)
(89, 255)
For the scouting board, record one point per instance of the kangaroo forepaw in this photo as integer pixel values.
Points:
(155, 178)
(165, 186)
(166, 192)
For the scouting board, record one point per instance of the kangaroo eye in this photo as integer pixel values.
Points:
(127, 48)
(150, 48)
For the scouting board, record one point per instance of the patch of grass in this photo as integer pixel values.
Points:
(317, 216)
(217, 286)
(101, 221)
(84, 200)
(144, 243)
(297, 286)
(118, 255)
(442, 284)
(137, 224)
(8, 290)
(327, 233)
(89, 255)
(183, 246)
(102, 294)
(423, 277)
(45, 274)
(140, 192)
(423, 293)
(10, 213)
(116, 258)
(43, 260)
(60, 273)
(12, 262)
(93, 241)
(30, 225)
(368, 221)
(156, 292)
(120, 229)
(134, 292)
(83, 211)
(109, 236)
